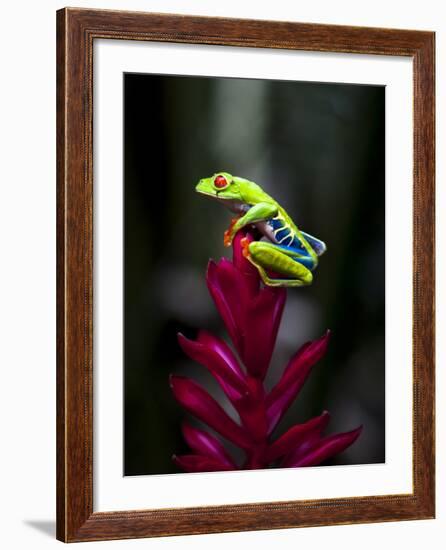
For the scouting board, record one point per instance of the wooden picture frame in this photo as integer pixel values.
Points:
(76, 31)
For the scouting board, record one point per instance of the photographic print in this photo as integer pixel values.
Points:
(254, 269)
(245, 275)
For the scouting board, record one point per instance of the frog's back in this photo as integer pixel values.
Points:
(282, 227)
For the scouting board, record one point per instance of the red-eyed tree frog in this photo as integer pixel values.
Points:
(287, 251)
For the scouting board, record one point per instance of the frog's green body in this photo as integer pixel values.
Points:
(290, 253)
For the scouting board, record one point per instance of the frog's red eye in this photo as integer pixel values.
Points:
(220, 182)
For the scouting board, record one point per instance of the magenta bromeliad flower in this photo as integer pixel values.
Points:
(251, 313)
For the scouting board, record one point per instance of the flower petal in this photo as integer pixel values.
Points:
(224, 303)
(326, 448)
(235, 289)
(220, 347)
(262, 320)
(212, 353)
(205, 444)
(295, 436)
(299, 352)
(251, 409)
(293, 378)
(304, 359)
(249, 271)
(305, 446)
(198, 463)
(199, 403)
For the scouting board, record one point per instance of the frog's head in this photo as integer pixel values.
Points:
(236, 193)
(222, 187)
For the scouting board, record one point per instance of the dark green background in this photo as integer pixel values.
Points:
(316, 148)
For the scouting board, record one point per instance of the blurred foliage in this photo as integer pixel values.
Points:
(318, 149)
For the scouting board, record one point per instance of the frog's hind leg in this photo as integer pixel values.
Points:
(268, 256)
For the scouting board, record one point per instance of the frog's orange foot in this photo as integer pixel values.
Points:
(228, 236)
(227, 239)
(245, 247)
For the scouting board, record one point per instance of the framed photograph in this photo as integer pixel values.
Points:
(245, 275)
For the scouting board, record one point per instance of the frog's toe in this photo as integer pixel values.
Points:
(227, 238)
(245, 247)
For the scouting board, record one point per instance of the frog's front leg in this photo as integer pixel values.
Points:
(284, 262)
(259, 212)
